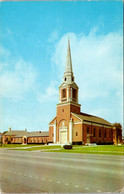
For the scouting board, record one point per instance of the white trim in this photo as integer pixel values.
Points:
(52, 120)
(51, 125)
(100, 125)
(54, 138)
(67, 103)
(78, 123)
(76, 116)
(70, 131)
(107, 126)
(88, 123)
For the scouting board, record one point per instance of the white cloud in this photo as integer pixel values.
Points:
(97, 62)
(51, 93)
(53, 36)
(97, 65)
(17, 77)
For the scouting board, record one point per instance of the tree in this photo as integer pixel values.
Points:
(118, 132)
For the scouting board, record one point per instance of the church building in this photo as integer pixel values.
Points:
(70, 125)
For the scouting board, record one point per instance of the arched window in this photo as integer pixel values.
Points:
(74, 93)
(99, 132)
(88, 130)
(64, 93)
(105, 133)
(109, 133)
(94, 132)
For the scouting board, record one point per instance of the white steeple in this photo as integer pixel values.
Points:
(68, 74)
(68, 67)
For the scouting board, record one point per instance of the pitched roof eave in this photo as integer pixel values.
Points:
(52, 120)
(76, 116)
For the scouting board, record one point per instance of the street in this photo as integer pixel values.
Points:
(45, 172)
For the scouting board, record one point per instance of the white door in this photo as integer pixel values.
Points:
(63, 137)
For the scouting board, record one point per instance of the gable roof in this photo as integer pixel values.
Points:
(38, 134)
(28, 134)
(92, 119)
(16, 132)
(52, 120)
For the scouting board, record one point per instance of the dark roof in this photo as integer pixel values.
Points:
(16, 133)
(38, 134)
(92, 119)
(28, 134)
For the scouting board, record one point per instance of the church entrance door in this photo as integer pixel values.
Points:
(25, 141)
(63, 137)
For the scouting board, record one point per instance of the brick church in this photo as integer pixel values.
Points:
(70, 125)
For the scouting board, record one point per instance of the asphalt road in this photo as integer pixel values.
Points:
(42, 172)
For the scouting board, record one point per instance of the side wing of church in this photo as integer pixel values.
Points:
(70, 125)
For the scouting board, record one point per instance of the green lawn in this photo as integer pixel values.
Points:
(17, 145)
(100, 149)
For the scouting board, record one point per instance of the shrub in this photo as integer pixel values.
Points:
(67, 146)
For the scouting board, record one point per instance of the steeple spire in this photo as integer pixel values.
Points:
(68, 67)
(68, 74)
(68, 90)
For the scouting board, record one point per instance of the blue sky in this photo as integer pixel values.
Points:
(33, 46)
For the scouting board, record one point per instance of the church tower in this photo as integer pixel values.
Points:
(68, 90)
(68, 102)
(70, 125)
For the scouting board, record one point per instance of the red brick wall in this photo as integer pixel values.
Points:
(96, 138)
(75, 109)
(77, 132)
(38, 139)
(17, 140)
(51, 133)
(63, 114)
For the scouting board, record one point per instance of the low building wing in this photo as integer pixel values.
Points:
(16, 133)
(39, 134)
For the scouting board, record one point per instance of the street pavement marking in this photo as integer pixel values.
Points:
(76, 186)
(66, 184)
(98, 191)
(87, 188)
(58, 182)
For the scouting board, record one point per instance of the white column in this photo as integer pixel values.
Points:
(54, 139)
(70, 131)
